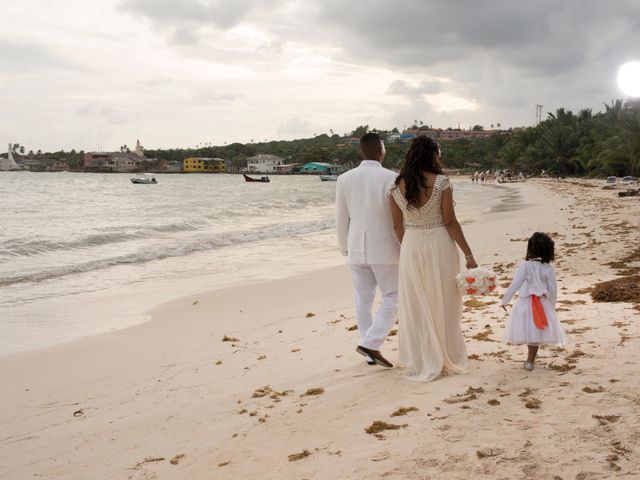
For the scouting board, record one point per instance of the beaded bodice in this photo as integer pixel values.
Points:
(428, 215)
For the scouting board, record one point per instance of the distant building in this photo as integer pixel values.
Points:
(59, 166)
(203, 165)
(139, 149)
(288, 168)
(407, 136)
(117, 161)
(123, 163)
(264, 163)
(173, 166)
(320, 167)
(9, 163)
(446, 135)
(112, 161)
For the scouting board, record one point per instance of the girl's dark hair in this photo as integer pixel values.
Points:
(540, 246)
(421, 157)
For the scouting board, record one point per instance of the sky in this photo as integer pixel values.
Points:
(95, 75)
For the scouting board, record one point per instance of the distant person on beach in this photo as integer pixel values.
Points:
(430, 303)
(533, 320)
(366, 237)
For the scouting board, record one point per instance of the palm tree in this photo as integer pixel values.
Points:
(559, 145)
(613, 112)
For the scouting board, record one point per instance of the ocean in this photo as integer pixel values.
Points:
(82, 254)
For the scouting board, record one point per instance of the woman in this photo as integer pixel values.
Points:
(430, 306)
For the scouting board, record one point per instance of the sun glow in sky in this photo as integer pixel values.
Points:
(176, 73)
(629, 79)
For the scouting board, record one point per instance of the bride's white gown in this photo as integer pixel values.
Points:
(430, 305)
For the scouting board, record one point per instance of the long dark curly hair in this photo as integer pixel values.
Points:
(421, 157)
(540, 247)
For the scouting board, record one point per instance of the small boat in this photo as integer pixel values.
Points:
(247, 178)
(144, 179)
(629, 193)
(329, 178)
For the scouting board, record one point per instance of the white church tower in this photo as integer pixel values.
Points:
(139, 149)
(9, 163)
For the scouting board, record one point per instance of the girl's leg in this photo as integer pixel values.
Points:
(533, 351)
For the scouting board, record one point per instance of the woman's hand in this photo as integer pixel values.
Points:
(471, 263)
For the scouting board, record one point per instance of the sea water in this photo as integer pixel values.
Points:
(82, 253)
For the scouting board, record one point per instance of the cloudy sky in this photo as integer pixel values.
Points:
(89, 74)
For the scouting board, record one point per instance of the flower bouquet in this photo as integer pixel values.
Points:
(477, 281)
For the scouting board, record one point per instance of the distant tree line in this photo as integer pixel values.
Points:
(586, 143)
(604, 143)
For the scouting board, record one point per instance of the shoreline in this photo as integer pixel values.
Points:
(109, 405)
(138, 314)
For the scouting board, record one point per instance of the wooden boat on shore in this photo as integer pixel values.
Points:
(247, 178)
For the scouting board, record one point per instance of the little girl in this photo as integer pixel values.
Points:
(533, 320)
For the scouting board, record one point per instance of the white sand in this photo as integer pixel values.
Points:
(172, 386)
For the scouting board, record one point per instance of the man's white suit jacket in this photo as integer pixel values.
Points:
(363, 217)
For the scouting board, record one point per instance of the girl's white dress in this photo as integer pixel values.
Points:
(533, 278)
(430, 304)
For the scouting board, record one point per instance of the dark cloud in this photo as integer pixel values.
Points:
(170, 12)
(186, 20)
(543, 38)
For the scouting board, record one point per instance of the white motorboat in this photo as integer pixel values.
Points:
(144, 179)
(329, 178)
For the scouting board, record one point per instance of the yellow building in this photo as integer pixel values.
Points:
(205, 165)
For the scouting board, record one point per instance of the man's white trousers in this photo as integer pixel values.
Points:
(375, 328)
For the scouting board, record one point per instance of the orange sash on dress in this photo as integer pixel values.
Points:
(539, 317)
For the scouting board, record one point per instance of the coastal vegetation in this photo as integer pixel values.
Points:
(565, 143)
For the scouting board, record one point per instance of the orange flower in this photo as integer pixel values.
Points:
(470, 279)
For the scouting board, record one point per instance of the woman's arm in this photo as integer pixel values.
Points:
(454, 228)
(398, 219)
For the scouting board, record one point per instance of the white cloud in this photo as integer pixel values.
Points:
(77, 74)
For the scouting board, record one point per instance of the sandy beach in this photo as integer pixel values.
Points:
(262, 381)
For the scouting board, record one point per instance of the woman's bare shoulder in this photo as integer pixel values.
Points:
(430, 178)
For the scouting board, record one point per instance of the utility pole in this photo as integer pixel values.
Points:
(538, 113)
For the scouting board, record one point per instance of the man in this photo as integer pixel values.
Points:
(366, 237)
